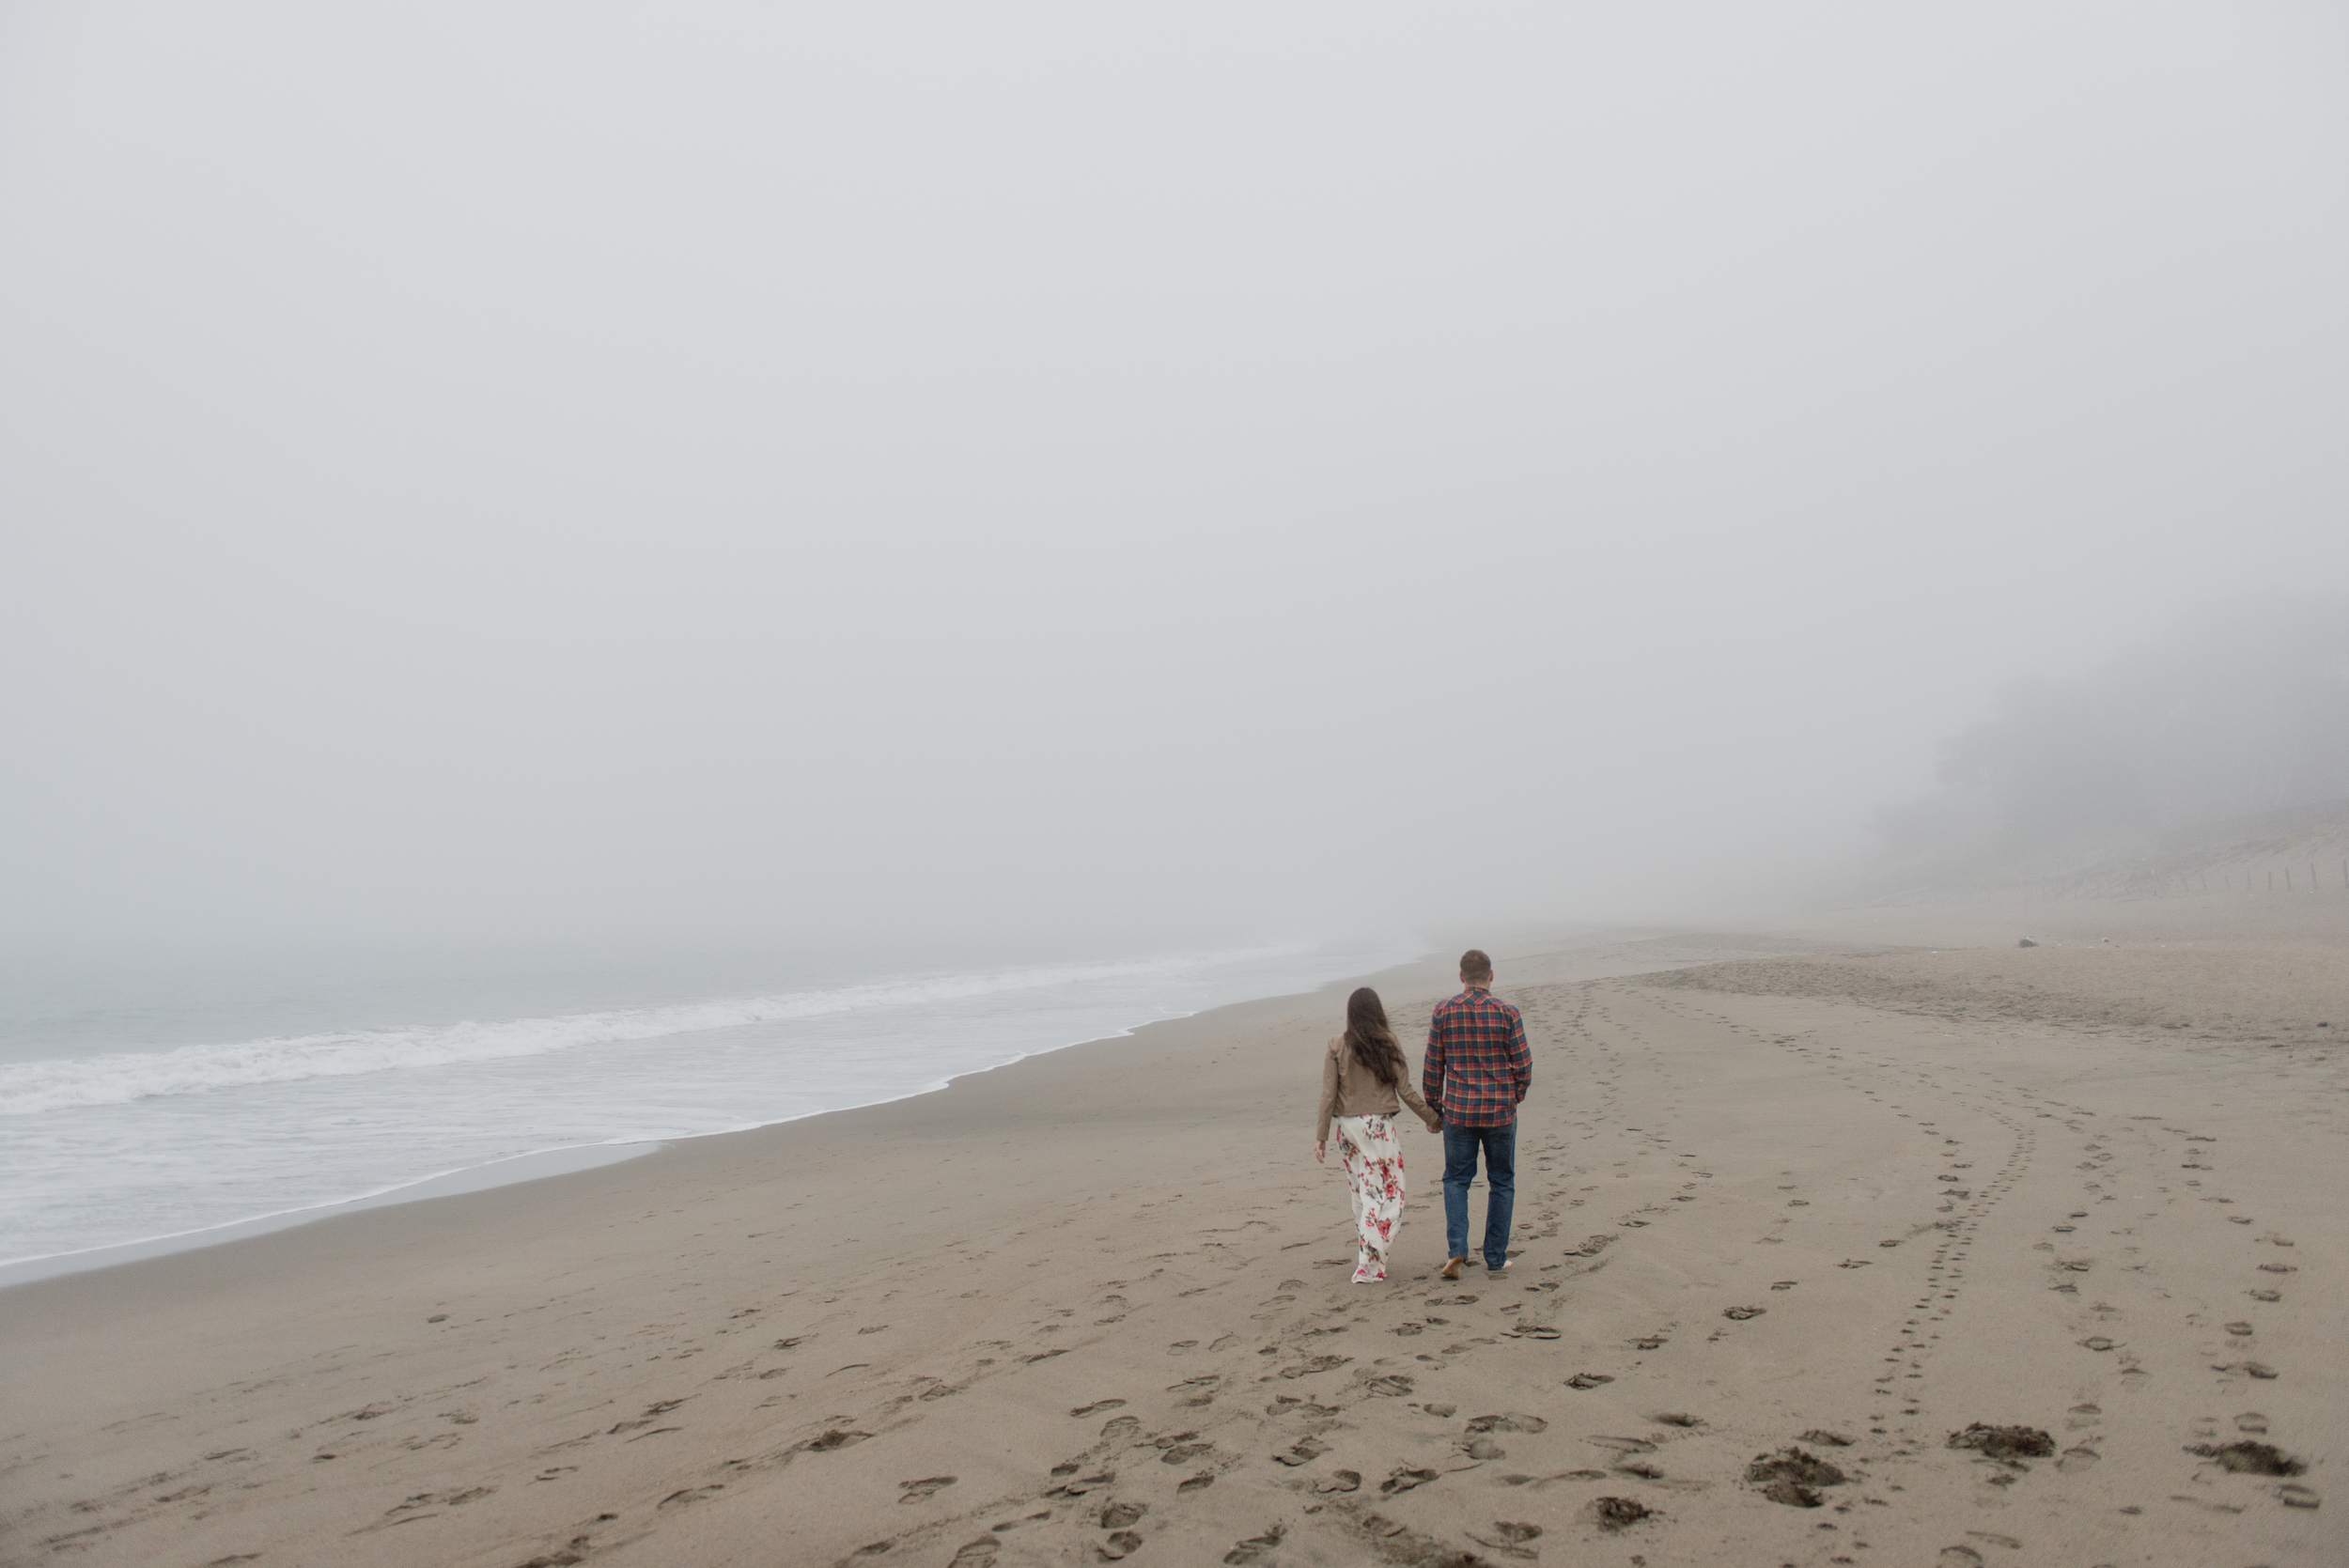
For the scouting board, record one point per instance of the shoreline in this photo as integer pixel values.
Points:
(551, 1164)
(511, 1170)
(537, 1164)
(547, 1164)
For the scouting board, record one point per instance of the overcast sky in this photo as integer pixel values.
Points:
(1213, 470)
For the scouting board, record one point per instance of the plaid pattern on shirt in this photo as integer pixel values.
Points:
(1478, 1066)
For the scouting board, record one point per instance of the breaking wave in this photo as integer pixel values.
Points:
(56, 1084)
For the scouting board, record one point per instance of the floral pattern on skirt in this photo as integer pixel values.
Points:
(1373, 1156)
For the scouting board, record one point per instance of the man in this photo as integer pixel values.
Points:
(1477, 1070)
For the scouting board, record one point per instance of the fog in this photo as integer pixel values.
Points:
(2237, 712)
(698, 472)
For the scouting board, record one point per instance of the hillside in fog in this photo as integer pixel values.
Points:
(2236, 717)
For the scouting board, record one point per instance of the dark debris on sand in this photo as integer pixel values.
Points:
(2004, 1442)
(2250, 1458)
(1618, 1512)
(1790, 1475)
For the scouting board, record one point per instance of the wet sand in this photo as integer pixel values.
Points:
(1788, 1226)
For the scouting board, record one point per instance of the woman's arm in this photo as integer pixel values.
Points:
(1329, 1097)
(1413, 1098)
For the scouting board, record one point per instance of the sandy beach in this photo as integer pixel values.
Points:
(1862, 1240)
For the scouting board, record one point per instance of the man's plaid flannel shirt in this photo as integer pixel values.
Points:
(1478, 1066)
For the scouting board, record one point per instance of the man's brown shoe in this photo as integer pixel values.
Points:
(1452, 1266)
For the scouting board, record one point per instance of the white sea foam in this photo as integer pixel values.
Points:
(28, 1088)
(100, 1150)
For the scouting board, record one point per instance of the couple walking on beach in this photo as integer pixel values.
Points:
(1476, 1070)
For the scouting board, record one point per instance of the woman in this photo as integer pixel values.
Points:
(1362, 1075)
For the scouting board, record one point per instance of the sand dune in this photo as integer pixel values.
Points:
(1822, 1258)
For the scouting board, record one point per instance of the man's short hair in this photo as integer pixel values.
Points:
(1475, 965)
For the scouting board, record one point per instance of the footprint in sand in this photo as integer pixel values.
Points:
(922, 1490)
(1202, 1391)
(1512, 1422)
(1256, 1547)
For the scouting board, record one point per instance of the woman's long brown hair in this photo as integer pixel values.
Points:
(1371, 1039)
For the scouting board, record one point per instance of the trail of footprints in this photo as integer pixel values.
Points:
(1283, 1400)
(2226, 1445)
(1434, 1324)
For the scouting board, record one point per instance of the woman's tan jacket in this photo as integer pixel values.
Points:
(1349, 1089)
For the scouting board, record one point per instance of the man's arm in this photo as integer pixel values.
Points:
(1521, 1055)
(1431, 1067)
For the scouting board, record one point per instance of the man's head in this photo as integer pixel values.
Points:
(1476, 968)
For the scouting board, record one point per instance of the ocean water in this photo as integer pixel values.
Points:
(140, 1101)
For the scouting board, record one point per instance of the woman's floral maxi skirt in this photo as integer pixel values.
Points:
(1373, 1156)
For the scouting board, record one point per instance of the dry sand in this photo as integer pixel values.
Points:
(1785, 1226)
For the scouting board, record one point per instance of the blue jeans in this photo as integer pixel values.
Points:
(1460, 1147)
